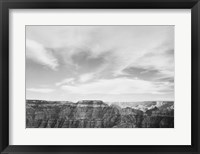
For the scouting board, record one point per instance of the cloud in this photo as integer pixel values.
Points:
(40, 90)
(86, 77)
(65, 81)
(106, 59)
(82, 46)
(70, 81)
(39, 54)
(117, 86)
(156, 62)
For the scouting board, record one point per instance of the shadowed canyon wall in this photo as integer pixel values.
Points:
(97, 114)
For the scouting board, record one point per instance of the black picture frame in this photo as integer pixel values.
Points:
(5, 5)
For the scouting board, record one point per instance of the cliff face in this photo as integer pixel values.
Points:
(94, 114)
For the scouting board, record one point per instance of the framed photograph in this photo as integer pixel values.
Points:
(99, 77)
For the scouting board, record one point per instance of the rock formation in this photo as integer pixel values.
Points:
(97, 114)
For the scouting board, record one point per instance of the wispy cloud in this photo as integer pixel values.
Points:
(104, 59)
(40, 90)
(157, 60)
(65, 81)
(117, 86)
(39, 54)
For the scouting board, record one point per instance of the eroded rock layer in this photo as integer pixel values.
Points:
(97, 114)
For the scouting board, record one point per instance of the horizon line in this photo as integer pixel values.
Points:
(98, 100)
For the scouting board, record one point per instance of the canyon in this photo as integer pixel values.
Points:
(99, 114)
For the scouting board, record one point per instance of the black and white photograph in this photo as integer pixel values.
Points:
(99, 76)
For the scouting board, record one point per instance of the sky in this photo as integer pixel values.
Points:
(109, 63)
